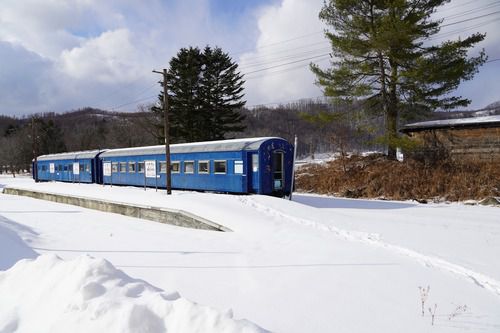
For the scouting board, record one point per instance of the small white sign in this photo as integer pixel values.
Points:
(238, 167)
(106, 169)
(76, 168)
(52, 168)
(150, 169)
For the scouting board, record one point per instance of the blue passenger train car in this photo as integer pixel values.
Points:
(78, 167)
(253, 165)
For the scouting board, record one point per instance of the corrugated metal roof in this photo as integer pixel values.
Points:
(70, 155)
(207, 146)
(461, 122)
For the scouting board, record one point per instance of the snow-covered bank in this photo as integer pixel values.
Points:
(90, 295)
(12, 247)
(318, 264)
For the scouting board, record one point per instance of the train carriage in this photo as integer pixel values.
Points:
(80, 167)
(253, 165)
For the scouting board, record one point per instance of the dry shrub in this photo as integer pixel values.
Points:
(375, 176)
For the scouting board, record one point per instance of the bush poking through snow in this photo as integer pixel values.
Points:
(460, 309)
(433, 313)
(424, 294)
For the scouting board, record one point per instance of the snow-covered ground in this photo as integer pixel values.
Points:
(316, 264)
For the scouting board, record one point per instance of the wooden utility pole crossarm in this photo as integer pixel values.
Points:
(166, 131)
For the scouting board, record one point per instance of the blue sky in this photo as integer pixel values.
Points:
(60, 55)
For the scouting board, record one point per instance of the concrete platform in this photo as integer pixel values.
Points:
(178, 218)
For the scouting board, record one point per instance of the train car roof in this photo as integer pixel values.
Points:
(193, 147)
(486, 121)
(70, 155)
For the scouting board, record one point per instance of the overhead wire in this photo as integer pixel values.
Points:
(472, 11)
(281, 59)
(285, 70)
(470, 19)
(287, 55)
(279, 42)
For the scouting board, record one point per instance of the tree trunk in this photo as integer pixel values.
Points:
(391, 118)
(392, 113)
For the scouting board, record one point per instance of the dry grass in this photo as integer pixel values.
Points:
(376, 177)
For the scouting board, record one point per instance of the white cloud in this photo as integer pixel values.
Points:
(93, 52)
(279, 23)
(27, 83)
(58, 55)
(292, 18)
(107, 58)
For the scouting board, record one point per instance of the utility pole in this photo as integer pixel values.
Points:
(33, 146)
(166, 131)
(293, 165)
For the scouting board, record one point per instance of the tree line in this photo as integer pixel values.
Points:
(89, 128)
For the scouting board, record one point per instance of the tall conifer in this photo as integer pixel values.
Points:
(205, 92)
(383, 53)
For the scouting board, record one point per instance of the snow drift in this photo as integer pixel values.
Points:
(49, 294)
(12, 247)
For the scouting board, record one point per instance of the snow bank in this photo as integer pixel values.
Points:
(12, 247)
(49, 294)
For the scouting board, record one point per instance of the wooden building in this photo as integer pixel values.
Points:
(475, 138)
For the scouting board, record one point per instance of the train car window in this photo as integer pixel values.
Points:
(238, 167)
(65, 167)
(188, 166)
(131, 166)
(59, 167)
(87, 167)
(82, 167)
(175, 167)
(44, 167)
(123, 167)
(114, 167)
(219, 166)
(255, 162)
(163, 167)
(203, 167)
(140, 167)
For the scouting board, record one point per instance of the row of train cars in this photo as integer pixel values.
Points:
(252, 165)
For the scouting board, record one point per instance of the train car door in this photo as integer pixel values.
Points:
(253, 173)
(278, 171)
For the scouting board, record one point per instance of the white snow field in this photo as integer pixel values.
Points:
(314, 264)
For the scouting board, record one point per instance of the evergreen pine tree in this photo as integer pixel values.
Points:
(51, 138)
(222, 94)
(205, 90)
(382, 53)
(183, 79)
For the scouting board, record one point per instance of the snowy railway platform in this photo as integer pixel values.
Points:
(316, 264)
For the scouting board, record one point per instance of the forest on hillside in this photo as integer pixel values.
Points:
(344, 128)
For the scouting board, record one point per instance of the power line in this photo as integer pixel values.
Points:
(460, 5)
(295, 55)
(279, 59)
(288, 101)
(470, 19)
(456, 31)
(279, 42)
(266, 54)
(472, 11)
(132, 102)
(288, 63)
(283, 70)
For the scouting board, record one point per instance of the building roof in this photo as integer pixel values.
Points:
(69, 156)
(207, 146)
(489, 121)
